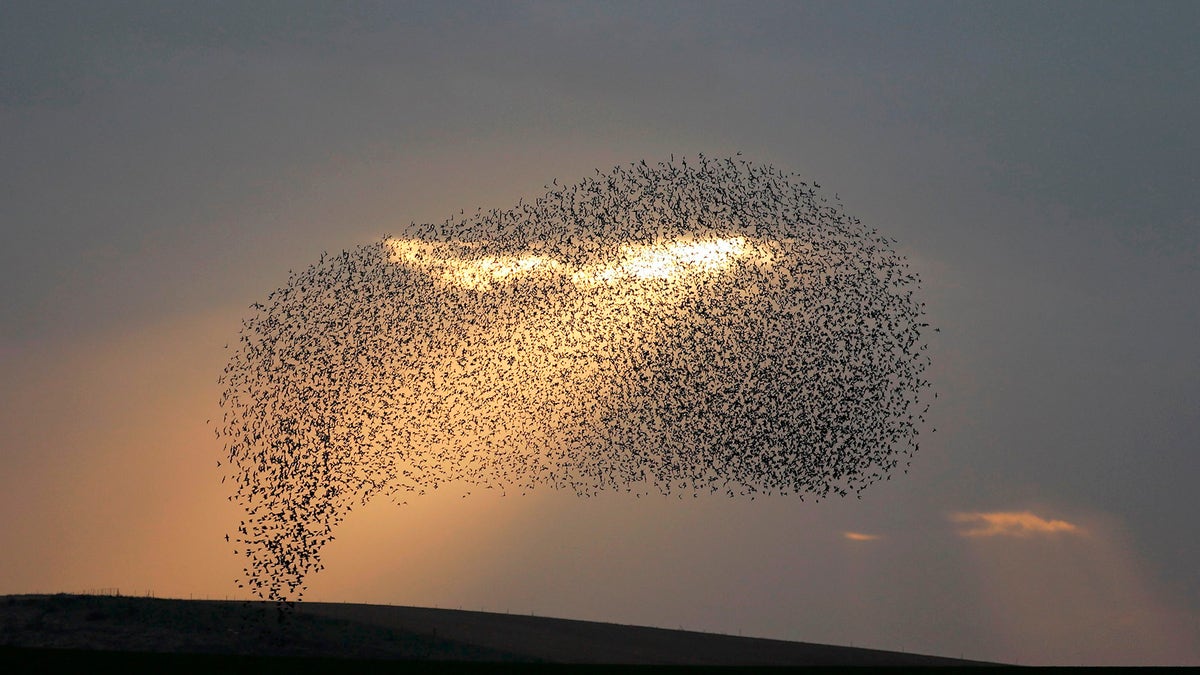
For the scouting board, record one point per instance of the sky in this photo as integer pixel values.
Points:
(164, 165)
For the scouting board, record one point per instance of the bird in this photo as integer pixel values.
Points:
(668, 326)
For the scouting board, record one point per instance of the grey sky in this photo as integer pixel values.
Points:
(1037, 162)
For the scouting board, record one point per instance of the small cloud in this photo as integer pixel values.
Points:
(1011, 524)
(859, 536)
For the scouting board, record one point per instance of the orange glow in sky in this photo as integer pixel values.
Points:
(633, 262)
(1011, 524)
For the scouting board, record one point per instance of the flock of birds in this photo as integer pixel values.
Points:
(712, 326)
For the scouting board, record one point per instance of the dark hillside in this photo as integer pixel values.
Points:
(33, 626)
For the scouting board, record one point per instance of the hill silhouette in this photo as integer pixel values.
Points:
(69, 630)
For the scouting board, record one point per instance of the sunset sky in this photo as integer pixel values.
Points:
(163, 165)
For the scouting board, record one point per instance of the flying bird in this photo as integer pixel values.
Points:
(684, 327)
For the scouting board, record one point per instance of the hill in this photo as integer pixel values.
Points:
(43, 629)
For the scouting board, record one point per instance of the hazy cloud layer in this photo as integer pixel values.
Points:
(163, 164)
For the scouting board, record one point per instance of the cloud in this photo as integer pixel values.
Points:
(859, 536)
(1011, 524)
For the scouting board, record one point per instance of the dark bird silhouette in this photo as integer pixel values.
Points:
(704, 326)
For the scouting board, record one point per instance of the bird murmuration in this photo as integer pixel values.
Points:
(685, 328)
